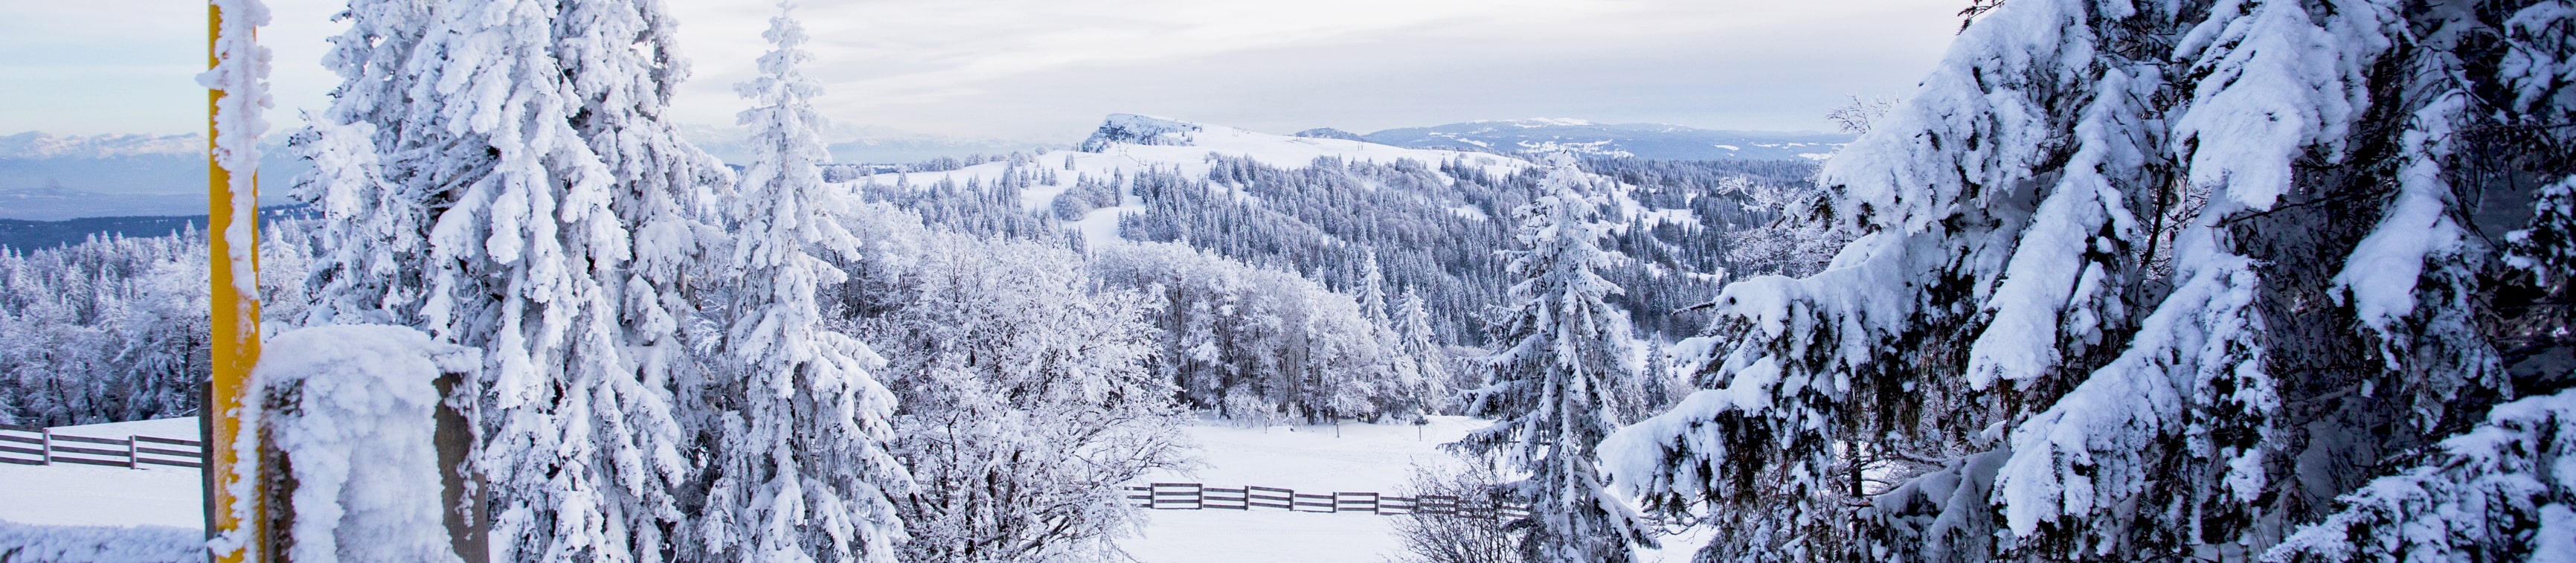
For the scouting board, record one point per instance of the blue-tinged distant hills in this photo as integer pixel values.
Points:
(1639, 140)
(46, 177)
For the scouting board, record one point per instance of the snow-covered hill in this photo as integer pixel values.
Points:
(1320, 204)
(1641, 140)
(1127, 145)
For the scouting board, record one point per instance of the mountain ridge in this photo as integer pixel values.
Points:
(1654, 141)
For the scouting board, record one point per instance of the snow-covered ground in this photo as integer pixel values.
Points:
(1361, 457)
(68, 512)
(86, 495)
(1310, 459)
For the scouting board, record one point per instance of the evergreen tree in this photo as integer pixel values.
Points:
(2109, 299)
(374, 267)
(464, 195)
(1371, 291)
(798, 468)
(1565, 352)
(516, 254)
(1420, 350)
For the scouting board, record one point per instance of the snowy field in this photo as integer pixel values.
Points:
(1310, 459)
(66, 512)
(86, 495)
(1362, 457)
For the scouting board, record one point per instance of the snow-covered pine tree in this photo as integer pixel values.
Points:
(1564, 353)
(1417, 346)
(372, 265)
(2110, 299)
(1371, 291)
(2501, 490)
(623, 66)
(798, 469)
(463, 199)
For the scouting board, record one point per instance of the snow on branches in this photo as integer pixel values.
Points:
(1565, 354)
(2109, 288)
(799, 469)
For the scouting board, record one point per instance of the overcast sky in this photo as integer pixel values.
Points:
(1047, 70)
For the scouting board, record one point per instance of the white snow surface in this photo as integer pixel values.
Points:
(1310, 459)
(67, 512)
(101, 544)
(1366, 457)
(87, 495)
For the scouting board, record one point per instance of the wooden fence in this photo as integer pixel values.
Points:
(39, 446)
(1195, 496)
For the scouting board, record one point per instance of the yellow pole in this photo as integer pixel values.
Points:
(236, 328)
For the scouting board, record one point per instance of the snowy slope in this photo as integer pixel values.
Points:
(1362, 457)
(1129, 144)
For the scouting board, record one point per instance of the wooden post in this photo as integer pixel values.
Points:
(461, 506)
(236, 328)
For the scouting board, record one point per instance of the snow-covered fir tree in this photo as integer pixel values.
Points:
(464, 197)
(2142, 281)
(373, 269)
(1422, 361)
(623, 67)
(1564, 353)
(797, 468)
(1371, 292)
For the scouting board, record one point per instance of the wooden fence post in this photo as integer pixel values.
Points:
(461, 508)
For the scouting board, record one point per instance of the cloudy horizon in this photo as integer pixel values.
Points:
(1046, 72)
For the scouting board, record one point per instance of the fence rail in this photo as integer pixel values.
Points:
(24, 445)
(1195, 496)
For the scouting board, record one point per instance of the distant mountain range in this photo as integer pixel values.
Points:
(46, 177)
(1639, 140)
